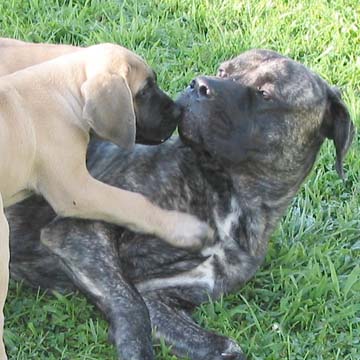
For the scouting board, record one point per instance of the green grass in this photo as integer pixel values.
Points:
(304, 303)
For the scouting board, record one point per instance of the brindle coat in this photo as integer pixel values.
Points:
(247, 143)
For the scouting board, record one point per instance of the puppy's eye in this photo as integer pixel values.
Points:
(264, 94)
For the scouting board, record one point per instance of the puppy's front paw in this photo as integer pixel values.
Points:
(187, 231)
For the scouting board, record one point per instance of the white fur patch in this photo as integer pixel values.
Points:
(202, 275)
(225, 225)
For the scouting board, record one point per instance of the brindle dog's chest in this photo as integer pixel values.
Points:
(227, 222)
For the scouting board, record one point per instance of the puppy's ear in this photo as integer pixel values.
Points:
(338, 127)
(109, 109)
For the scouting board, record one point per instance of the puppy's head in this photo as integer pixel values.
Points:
(267, 109)
(122, 101)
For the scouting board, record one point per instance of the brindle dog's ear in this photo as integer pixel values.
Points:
(108, 108)
(225, 69)
(338, 126)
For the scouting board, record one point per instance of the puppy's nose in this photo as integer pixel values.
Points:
(201, 86)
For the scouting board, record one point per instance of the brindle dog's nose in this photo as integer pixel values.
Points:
(201, 86)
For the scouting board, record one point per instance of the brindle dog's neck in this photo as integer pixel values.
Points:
(252, 198)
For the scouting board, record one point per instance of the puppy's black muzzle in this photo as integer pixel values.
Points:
(157, 119)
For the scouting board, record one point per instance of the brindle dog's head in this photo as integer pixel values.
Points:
(266, 110)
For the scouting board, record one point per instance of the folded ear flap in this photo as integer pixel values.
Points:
(108, 108)
(225, 69)
(338, 126)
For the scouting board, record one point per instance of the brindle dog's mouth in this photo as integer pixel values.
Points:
(140, 139)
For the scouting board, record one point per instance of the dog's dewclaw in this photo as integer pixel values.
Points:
(233, 356)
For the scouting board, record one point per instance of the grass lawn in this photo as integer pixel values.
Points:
(304, 303)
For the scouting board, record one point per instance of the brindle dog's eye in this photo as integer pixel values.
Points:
(221, 73)
(142, 92)
(264, 94)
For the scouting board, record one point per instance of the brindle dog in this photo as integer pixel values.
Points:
(247, 142)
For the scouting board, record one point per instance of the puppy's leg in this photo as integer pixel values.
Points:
(186, 338)
(90, 259)
(4, 273)
(80, 195)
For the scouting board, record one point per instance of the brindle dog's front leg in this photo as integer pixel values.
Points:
(90, 259)
(173, 323)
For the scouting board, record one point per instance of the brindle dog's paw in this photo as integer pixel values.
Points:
(232, 352)
(220, 348)
(233, 356)
(187, 231)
